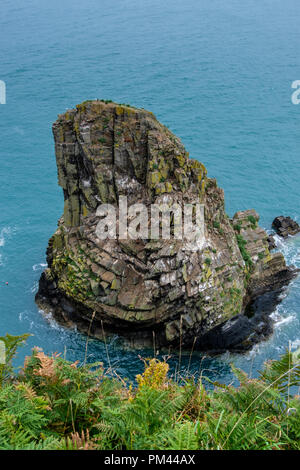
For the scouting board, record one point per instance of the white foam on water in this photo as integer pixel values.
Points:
(290, 248)
(253, 352)
(50, 320)
(296, 258)
(275, 315)
(23, 315)
(286, 320)
(34, 288)
(282, 319)
(283, 295)
(5, 233)
(39, 266)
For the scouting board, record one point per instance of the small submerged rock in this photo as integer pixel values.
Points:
(285, 226)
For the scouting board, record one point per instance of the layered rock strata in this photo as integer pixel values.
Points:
(149, 290)
(285, 226)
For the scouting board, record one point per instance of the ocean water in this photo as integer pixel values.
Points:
(217, 73)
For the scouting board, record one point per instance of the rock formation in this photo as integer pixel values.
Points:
(147, 290)
(285, 226)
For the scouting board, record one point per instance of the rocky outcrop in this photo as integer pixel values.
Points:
(271, 242)
(285, 226)
(162, 291)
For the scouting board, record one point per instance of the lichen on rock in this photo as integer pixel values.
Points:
(147, 288)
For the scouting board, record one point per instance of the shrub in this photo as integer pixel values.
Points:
(54, 404)
(237, 227)
(252, 220)
(246, 257)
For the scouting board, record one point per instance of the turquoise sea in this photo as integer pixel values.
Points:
(218, 73)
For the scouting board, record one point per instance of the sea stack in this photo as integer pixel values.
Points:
(145, 290)
(285, 226)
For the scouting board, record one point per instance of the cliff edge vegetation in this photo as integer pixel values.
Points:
(57, 405)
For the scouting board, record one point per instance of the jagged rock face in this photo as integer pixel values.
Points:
(146, 289)
(285, 226)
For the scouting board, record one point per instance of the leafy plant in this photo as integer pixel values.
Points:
(57, 405)
(246, 256)
(252, 220)
(238, 227)
(11, 344)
